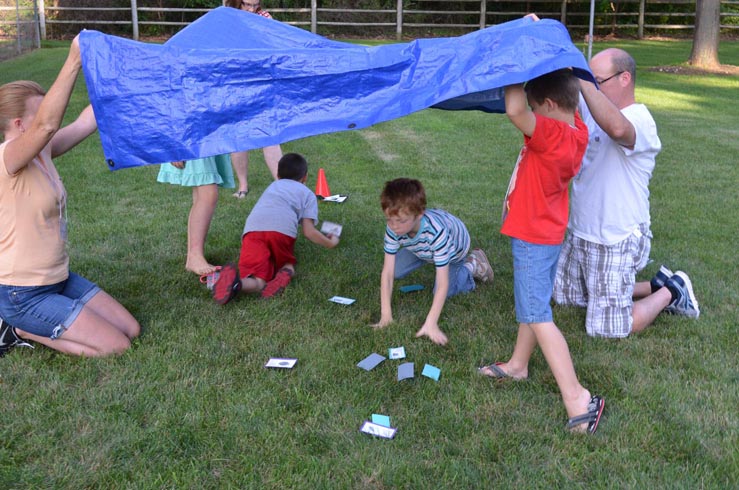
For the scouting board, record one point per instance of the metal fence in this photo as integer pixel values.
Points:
(19, 27)
(417, 18)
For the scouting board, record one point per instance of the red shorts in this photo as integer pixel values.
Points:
(263, 253)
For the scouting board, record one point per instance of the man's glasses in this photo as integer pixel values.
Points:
(601, 82)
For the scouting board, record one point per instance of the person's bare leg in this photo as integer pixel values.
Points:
(115, 313)
(272, 155)
(642, 290)
(102, 328)
(557, 353)
(204, 201)
(646, 310)
(240, 163)
(252, 284)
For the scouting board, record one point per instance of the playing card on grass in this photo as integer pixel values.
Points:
(371, 361)
(278, 362)
(378, 430)
(341, 300)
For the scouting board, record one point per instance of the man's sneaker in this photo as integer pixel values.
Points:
(278, 284)
(660, 278)
(227, 285)
(682, 290)
(9, 339)
(481, 269)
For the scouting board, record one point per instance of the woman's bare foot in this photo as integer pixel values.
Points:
(199, 266)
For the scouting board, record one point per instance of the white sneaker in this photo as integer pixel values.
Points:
(481, 269)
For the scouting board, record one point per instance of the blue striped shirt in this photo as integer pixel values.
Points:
(442, 239)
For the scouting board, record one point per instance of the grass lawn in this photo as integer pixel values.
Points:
(191, 405)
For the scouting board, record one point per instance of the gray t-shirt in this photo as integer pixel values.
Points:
(282, 206)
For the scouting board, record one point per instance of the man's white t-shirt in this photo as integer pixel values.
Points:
(610, 195)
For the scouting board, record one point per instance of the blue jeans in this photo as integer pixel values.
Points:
(534, 268)
(47, 311)
(460, 277)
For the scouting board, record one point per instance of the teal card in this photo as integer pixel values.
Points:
(382, 420)
(431, 372)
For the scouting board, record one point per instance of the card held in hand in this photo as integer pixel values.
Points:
(329, 228)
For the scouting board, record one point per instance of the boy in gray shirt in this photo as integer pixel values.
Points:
(267, 260)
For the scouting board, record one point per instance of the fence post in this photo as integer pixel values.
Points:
(18, 28)
(37, 35)
(313, 16)
(42, 19)
(563, 13)
(483, 13)
(399, 21)
(640, 29)
(135, 20)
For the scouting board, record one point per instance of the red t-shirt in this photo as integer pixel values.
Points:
(536, 203)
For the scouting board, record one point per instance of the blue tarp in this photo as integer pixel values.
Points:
(236, 81)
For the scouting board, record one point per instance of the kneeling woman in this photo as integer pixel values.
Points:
(40, 299)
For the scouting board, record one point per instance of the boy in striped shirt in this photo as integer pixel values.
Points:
(416, 236)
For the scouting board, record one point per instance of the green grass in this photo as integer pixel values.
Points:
(190, 405)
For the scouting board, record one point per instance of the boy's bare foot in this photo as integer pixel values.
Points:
(435, 334)
(199, 266)
(578, 406)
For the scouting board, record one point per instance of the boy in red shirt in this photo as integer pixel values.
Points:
(535, 217)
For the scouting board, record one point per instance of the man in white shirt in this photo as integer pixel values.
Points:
(608, 238)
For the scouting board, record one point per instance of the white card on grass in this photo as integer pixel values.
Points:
(279, 362)
(336, 198)
(396, 352)
(329, 228)
(342, 300)
(378, 430)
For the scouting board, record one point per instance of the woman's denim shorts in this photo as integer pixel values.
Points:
(534, 268)
(47, 311)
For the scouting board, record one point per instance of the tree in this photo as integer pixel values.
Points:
(706, 35)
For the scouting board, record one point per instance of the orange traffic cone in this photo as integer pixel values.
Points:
(322, 185)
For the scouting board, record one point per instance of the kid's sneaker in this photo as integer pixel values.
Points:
(278, 284)
(227, 285)
(211, 278)
(481, 269)
(684, 303)
(9, 339)
(660, 278)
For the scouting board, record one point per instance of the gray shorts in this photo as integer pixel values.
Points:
(601, 278)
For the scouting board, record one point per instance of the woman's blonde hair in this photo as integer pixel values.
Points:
(13, 97)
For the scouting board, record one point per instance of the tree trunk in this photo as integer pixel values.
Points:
(706, 35)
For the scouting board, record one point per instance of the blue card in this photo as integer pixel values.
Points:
(431, 372)
(382, 420)
(405, 371)
(410, 288)
(371, 361)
